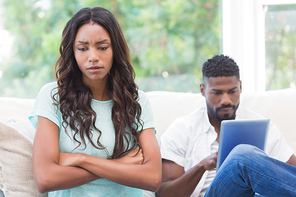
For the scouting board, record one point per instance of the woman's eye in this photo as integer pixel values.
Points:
(103, 48)
(81, 49)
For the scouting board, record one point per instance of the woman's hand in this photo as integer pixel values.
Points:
(70, 159)
(140, 168)
(135, 156)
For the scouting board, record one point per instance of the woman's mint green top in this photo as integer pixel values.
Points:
(102, 187)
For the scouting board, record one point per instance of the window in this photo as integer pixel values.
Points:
(280, 46)
(248, 27)
(169, 41)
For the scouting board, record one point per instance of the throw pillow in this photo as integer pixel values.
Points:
(16, 157)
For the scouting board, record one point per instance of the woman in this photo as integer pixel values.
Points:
(94, 128)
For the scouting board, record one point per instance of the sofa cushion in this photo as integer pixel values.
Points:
(279, 106)
(16, 141)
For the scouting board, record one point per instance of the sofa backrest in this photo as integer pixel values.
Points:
(16, 109)
(278, 105)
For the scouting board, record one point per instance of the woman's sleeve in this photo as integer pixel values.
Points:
(44, 106)
(147, 114)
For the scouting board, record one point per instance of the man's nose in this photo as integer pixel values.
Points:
(225, 99)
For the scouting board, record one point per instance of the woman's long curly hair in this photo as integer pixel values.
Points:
(74, 97)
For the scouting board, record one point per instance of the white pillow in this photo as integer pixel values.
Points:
(16, 143)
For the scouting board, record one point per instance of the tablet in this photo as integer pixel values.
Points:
(235, 132)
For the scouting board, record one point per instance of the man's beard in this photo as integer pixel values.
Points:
(225, 116)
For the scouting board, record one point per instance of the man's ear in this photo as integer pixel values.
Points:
(202, 89)
(240, 86)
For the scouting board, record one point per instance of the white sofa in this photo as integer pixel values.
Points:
(16, 133)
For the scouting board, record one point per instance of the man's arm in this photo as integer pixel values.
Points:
(292, 160)
(177, 182)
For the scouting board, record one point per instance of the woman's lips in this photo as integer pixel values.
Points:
(95, 69)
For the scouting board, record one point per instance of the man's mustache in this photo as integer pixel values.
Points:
(225, 106)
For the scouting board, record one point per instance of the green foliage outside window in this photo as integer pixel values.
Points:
(280, 46)
(169, 40)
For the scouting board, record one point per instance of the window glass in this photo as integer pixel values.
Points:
(280, 46)
(169, 40)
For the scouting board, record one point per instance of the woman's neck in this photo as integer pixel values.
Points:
(101, 95)
(100, 90)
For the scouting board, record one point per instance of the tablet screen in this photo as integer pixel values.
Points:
(235, 132)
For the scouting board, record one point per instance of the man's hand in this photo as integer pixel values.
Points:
(210, 162)
(177, 182)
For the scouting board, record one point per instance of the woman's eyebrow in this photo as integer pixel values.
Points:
(85, 42)
(102, 41)
(81, 42)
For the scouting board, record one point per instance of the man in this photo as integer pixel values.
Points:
(189, 146)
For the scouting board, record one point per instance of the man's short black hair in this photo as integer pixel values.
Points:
(220, 66)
